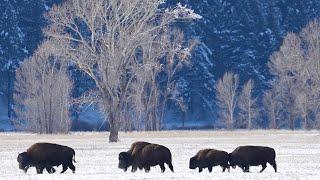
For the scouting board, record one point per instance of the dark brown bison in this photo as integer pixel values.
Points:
(132, 157)
(207, 158)
(45, 156)
(144, 155)
(246, 156)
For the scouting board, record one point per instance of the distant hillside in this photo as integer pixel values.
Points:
(237, 36)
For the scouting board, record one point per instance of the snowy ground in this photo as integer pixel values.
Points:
(298, 154)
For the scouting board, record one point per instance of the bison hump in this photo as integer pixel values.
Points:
(137, 147)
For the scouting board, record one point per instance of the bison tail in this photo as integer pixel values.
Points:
(169, 161)
(274, 154)
(74, 157)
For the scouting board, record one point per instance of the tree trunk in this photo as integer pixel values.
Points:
(50, 123)
(230, 124)
(183, 118)
(113, 137)
(306, 122)
(162, 113)
(154, 120)
(291, 120)
(148, 122)
(249, 119)
(273, 123)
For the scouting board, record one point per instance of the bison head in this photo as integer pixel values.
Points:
(24, 161)
(193, 163)
(232, 161)
(125, 160)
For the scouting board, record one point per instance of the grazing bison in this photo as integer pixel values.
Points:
(132, 157)
(144, 155)
(207, 158)
(246, 156)
(45, 156)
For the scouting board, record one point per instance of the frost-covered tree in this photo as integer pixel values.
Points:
(296, 70)
(248, 106)
(155, 84)
(104, 39)
(42, 93)
(227, 97)
(309, 98)
(286, 65)
(20, 34)
(270, 108)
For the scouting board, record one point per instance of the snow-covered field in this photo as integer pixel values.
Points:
(298, 154)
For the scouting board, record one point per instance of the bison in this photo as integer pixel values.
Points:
(45, 156)
(131, 157)
(246, 156)
(144, 155)
(207, 158)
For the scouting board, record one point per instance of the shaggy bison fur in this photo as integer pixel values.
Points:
(208, 158)
(144, 155)
(45, 156)
(246, 156)
(132, 157)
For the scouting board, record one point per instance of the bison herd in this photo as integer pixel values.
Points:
(143, 155)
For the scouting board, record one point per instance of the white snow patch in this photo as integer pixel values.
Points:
(46, 7)
(206, 52)
(182, 12)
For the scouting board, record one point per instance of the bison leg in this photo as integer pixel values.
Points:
(50, 169)
(134, 169)
(39, 169)
(147, 169)
(224, 168)
(200, 170)
(26, 169)
(246, 168)
(210, 168)
(170, 166)
(162, 167)
(274, 165)
(243, 168)
(264, 165)
(72, 167)
(64, 168)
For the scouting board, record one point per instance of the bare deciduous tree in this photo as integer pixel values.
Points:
(272, 107)
(269, 103)
(287, 65)
(310, 101)
(296, 67)
(152, 94)
(226, 92)
(104, 37)
(247, 105)
(42, 93)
